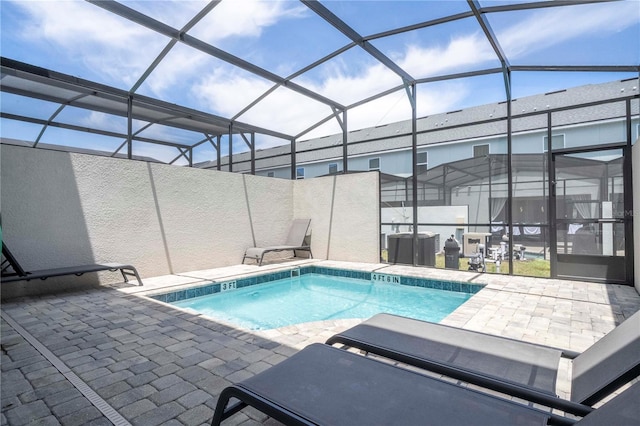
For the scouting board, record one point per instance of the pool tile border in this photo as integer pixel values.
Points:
(214, 287)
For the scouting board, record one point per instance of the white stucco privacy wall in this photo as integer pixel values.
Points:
(345, 215)
(63, 209)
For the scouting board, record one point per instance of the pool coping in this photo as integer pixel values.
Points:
(219, 286)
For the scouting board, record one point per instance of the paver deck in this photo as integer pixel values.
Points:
(154, 364)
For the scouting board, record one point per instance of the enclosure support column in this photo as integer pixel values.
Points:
(215, 146)
(343, 125)
(444, 188)
(490, 193)
(545, 230)
(129, 127)
(551, 206)
(628, 201)
(230, 147)
(293, 159)
(345, 150)
(509, 215)
(218, 153)
(253, 153)
(252, 149)
(411, 92)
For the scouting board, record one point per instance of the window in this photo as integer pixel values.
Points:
(422, 162)
(300, 173)
(333, 168)
(481, 150)
(374, 163)
(270, 174)
(557, 142)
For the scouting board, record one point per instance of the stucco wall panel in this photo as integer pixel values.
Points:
(196, 215)
(119, 212)
(356, 219)
(344, 211)
(312, 199)
(42, 218)
(270, 202)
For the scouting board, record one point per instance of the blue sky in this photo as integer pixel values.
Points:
(81, 39)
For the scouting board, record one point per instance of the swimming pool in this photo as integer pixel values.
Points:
(310, 295)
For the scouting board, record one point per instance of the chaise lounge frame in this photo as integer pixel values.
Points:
(294, 242)
(19, 274)
(324, 385)
(517, 368)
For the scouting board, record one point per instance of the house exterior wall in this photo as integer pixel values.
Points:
(458, 131)
(398, 161)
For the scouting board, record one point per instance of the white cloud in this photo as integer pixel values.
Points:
(175, 13)
(179, 68)
(244, 18)
(286, 111)
(546, 28)
(388, 109)
(100, 120)
(68, 23)
(227, 20)
(289, 112)
(446, 97)
(159, 152)
(464, 51)
(105, 43)
(542, 30)
(121, 50)
(226, 93)
(347, 88)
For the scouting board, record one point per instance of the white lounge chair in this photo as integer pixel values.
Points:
(294, 242)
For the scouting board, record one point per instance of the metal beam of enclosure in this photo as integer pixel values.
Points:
(128, 104)
(168, 31)
(412, 92)
(91, 130)
(493, 41)
(110, 100)
(345, 29)
(172, 43)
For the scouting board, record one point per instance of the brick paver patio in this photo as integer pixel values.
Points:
(152, 364)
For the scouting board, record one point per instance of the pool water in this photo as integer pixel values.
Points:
(315, 297)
